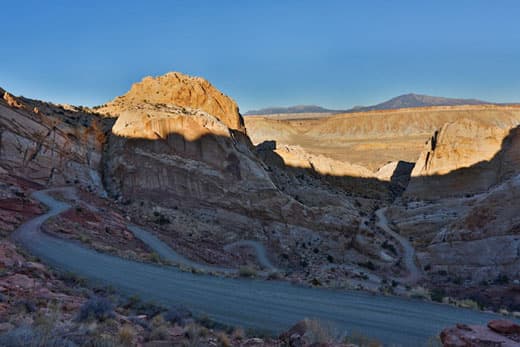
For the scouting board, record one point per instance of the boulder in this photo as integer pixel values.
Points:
(504, 326)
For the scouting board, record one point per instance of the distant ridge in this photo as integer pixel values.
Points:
(291, 109)
(402, 101)
(417, 100)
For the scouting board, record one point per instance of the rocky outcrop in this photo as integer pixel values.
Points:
(482, 244)
(464, 157)
(183, 157)
(49, 144)
(503, 333)
(181, 90)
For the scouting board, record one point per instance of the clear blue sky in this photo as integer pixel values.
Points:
(264, 53)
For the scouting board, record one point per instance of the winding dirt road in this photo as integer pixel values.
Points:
(414, 273)
(270, 306)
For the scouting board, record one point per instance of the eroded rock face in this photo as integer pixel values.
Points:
(183, 157)
(464, 157)
(49, 144)
(178, 89)
(211, 188)
(372, 139)
(483, 244)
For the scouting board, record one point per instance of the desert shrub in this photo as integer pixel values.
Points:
(359, 339)
(140, 321)
(246, 271)
(223, 339)
(368, 264)
(132, 301)
(177, 315)
(315, 282)
(126, 335)
(101, 341)
(84, 239)
(97, 308)
(318, 332)
(159, 333)
(274, 275)
(72, 279)
(442, 273)
(194, 335)
(155, 258)
(457, 280)
(238, 334)
(26, 336)
(419, 293)
(502, 279)
(389, 247)
(26, 306)
(437, 294)
(160, 218)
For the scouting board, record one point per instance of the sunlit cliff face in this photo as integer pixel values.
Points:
(154, 122)
(459, 144)
(181, 90)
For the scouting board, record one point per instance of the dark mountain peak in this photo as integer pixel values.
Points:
(408, 100)
(417, 100)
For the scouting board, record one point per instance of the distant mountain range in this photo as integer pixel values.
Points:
(292, 109)
(417, 100)
(402, 101)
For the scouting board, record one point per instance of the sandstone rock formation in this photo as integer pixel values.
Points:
(181, 90)
(295, 156)
(48, 144)
(210, 186)
(372, 139)
(483, 243)
(465, 157)
(188, 154)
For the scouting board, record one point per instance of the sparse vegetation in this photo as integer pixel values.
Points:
(361, 340)
(246, 271)
(369, 265)
(420, 293)
(96, 308)
(126, 335)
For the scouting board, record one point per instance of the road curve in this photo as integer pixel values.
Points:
(409, 252)
(270, 306)
(260, 252)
